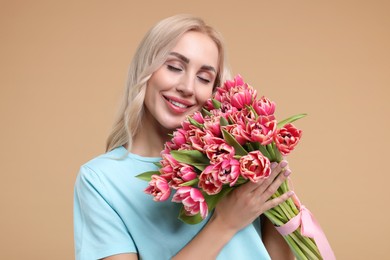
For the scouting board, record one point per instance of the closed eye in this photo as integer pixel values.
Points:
(204, 80)
(173, 68)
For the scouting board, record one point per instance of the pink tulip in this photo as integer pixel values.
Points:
(186, 125)
(235, 92)
(208, 105)
(198, 117)
(263, 130)
(287, 138)
(179, 137)
(264, 107)
(183, 174)
(227, 110)
(229, 172)
(243, 117)
(169, 166)
(221, 94)
(209, 138)
(219, 152)
(168, 147)
(158, 188)
(241, 99)
(193, 201)
(195, 137)
(209, 181)
(238, 132)
(238, 81)
(255, 166)
(212, 124)
(186, 172)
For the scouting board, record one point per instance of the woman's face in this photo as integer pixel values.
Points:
(183, 83)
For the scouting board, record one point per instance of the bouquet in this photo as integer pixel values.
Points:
(233, 140)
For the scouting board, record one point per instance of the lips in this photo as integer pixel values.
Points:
(178, 105)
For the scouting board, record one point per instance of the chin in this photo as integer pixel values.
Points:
(171, 126)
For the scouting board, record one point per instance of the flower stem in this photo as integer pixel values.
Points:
(303, 246)
(281, 213)
(289, 215)
(271, 152)
(309, 243)
(290, 202)
(283, 189)
(273, 218)
(294, 247)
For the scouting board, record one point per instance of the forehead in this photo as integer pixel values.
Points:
(199, 48)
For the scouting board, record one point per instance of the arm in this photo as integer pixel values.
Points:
(130, 256)
(97, 226)
(274, 242)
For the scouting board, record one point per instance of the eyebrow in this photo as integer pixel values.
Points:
(187, 60)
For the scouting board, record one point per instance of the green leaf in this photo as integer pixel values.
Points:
(249, 147)
(216, 103)
(195, 123)
(223, 121)
(200, 166)
(158, 164)
(147, 176)
(290, 120)
(212, 200)
(191, 157)
(190, 183)
(231, 120)
(189, 219)
(205, 112)
(233, 142)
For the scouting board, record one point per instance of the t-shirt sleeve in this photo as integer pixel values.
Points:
(99, 231)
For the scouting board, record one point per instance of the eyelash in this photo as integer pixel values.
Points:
(204, 80)
(175, 69)
(172, 68)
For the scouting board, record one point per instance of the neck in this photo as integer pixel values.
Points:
(150, 139)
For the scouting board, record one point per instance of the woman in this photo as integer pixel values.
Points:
(174, 71)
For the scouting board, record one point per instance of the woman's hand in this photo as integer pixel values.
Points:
(243, 205)
(235, 211)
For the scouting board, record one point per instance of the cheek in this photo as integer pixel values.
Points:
(160, 80)
(204, 95)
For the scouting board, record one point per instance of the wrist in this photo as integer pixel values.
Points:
(221, 228)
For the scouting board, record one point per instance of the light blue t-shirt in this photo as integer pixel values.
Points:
(113, 215)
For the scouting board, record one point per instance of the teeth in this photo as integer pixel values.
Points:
(177, 104)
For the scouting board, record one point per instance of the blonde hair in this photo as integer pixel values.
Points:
(150, 55)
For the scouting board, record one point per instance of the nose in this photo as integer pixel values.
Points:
(186, 85)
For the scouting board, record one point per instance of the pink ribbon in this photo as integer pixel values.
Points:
(309, 228)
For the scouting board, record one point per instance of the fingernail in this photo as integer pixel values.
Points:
(287, 172)
(273, 165)
(283, 164)
(290, 193)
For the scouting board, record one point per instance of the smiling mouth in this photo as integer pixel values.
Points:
(175, 103)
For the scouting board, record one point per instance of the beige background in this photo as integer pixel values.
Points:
(63, 66)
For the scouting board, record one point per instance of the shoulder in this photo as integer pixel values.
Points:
(110, 159)
(115, 167)
(107, 164)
